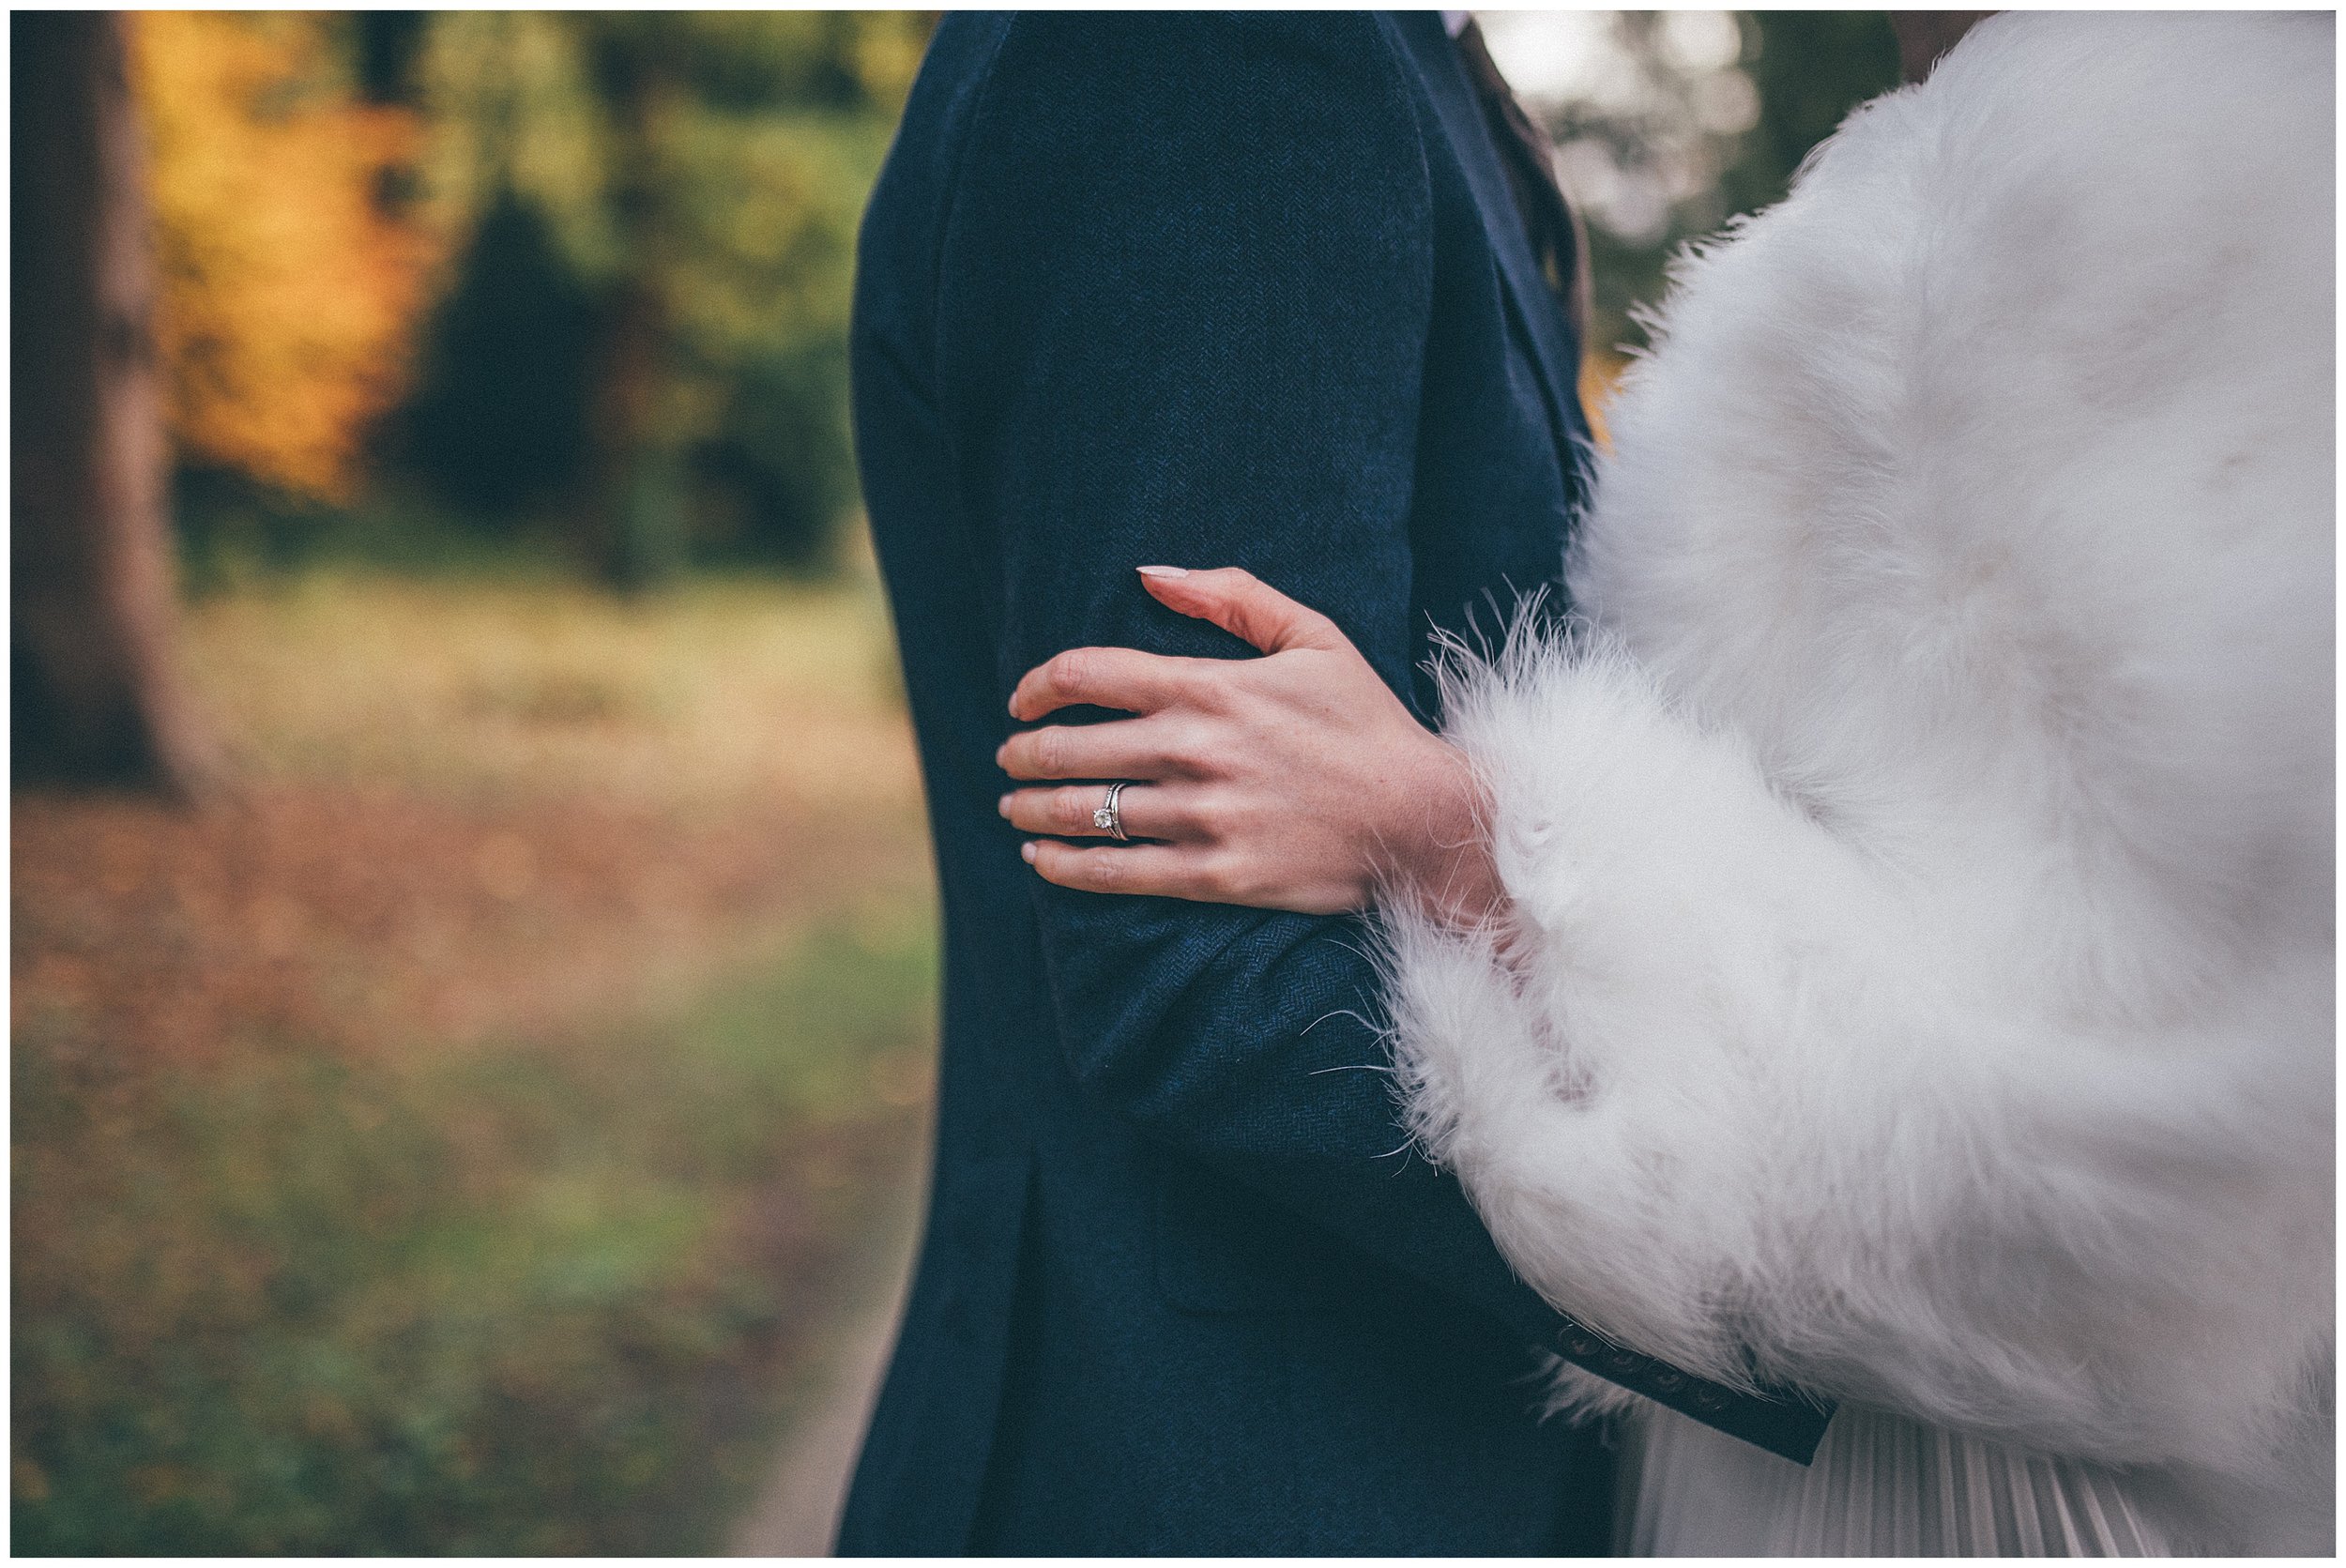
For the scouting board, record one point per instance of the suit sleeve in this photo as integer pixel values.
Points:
(1183, 298)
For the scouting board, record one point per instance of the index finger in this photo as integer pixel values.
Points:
(1122, 678)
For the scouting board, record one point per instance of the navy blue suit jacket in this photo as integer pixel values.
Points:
(1202, 290)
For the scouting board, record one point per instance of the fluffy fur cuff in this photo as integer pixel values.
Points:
(1739, 1088)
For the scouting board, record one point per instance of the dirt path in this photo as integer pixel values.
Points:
(797, 1513)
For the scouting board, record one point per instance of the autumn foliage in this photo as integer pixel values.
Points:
(290, 293)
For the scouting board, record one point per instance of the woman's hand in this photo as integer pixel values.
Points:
(1296, 780)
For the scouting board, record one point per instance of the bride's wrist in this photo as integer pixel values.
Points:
(1442, 863)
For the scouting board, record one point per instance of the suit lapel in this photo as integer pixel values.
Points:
(1534, 304)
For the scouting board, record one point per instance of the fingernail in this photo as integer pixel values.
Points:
(1165, 572)
(1025, 852)
(1002, 805)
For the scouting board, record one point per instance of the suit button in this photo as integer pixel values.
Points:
(1670, 1382)
(1624, 1360)
(1708, 1398)
(1579, 1343)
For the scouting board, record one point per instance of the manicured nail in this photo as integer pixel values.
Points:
(1026, 851)
(1002, 805)
(1165, 572)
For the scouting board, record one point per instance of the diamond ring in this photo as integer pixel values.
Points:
(1106, 818)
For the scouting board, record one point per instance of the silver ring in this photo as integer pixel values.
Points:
(1106, 816)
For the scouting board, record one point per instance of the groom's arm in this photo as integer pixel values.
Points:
(1184, 293)
(1184, 302)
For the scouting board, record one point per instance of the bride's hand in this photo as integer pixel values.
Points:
(1296, 780)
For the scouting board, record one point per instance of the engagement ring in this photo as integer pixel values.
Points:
(1106, 818)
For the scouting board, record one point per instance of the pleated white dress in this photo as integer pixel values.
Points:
(1880, 1485)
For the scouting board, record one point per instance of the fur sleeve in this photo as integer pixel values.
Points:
(1745, 1089)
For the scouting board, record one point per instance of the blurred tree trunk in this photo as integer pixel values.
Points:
(641, 526)
(639, 484)
(94, 688)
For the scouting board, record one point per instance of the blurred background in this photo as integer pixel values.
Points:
(472, 938)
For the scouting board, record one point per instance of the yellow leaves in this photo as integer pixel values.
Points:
(1600, 378)
(887, 49)
(288, 294)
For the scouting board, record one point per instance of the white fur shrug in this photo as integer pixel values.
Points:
(1926, 866)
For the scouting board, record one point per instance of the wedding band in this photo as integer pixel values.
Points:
(1106, 818)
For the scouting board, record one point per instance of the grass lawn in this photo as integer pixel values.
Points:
(453, 1142)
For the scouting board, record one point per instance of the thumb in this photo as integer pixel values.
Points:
(1244, 605)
